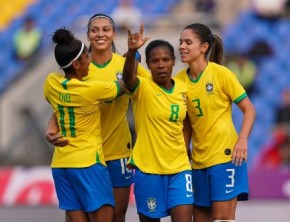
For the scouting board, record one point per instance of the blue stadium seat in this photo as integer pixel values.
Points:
(53, 14)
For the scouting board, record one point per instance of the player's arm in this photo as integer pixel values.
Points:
(137, 56)
(52, 133)
(240, 151)
(135, 41)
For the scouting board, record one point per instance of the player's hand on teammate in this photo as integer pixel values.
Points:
(136, 40)
(56, 139)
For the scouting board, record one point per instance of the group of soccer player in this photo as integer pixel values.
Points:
(188, 161)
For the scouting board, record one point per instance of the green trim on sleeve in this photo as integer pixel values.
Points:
(134, 90)
(240, 98)
(118, 88)
(64, 83)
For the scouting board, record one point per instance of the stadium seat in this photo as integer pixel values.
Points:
(53, 14)
(273, 72)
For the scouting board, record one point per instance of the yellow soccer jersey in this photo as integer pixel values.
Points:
(159, 115)
(76, 105)
(210, 110)
(115, 129)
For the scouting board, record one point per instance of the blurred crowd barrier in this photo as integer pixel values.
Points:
(34, 186)
(29, 186)
(271, 183)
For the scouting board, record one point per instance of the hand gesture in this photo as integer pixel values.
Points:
(136, 40)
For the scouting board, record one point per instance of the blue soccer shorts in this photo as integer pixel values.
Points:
(120, 175)
(85, 189)
(221, 182)
(156, 194)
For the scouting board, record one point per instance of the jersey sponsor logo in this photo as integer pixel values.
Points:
(151, 204)
(228, 151)
(119, 76)
(209, 87)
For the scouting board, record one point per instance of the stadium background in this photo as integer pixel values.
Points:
(25, 155)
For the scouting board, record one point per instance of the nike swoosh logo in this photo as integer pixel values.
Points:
(229, 191)
(160, 94)
(188, 195)
(128, 177)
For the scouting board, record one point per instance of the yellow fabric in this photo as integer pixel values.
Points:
(76, 105)
(10, 10)
(159, 115)
(115, 129)
(210, 100)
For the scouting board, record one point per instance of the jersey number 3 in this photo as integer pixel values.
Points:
(199, 110)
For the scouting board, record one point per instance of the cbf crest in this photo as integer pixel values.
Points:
(209, 87)
(119, 76)
(151, 204)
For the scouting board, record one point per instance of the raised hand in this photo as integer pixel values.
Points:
(136, 40)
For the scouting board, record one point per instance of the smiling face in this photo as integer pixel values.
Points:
(190, 47)
(101, 34)
(160, 61)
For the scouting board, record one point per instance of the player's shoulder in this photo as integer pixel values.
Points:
(179, 82)
(181, 75)
(118, 57)
(53, 76)
(180, 85)
(214, 67)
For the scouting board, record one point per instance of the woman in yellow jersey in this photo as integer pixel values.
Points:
(162, 180)
(108, 66)
(80, 175)
(219, 153)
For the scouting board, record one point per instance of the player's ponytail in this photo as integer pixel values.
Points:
(217, 50)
